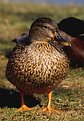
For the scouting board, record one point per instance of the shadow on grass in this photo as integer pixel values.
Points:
(11, 98)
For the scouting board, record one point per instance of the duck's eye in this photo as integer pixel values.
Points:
(49, 28)
(58, 36)
(45, 27)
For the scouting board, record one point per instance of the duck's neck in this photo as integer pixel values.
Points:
(40, 42)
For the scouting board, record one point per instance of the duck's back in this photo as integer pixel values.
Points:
(36, 68)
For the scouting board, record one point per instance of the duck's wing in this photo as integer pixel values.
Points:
(22, 40)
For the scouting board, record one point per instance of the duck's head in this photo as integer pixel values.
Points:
(46, 29)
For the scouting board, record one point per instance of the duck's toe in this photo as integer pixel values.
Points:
(51, 110)
(23, 108)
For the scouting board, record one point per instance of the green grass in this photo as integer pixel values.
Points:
(69, 96)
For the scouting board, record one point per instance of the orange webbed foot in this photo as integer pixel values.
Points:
(23, 108)
(51, 110)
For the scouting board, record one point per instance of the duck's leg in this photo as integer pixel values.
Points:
(23, 106)
(48, 108)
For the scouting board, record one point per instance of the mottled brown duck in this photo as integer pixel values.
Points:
(38, 66)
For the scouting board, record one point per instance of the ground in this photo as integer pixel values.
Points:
(16, 19)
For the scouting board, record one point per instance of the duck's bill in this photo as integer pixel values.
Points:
(65, 43)
(61, 40)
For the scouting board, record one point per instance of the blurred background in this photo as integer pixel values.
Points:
(49, 1)
(16, 17)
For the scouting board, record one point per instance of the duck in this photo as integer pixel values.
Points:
(72, 29)
(75, 52)
(37, 66)
(72, 26)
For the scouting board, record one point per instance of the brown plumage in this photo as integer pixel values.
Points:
(72, 29)
(75, 53)
(38, 67)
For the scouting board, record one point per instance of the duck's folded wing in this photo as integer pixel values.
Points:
(23, 39)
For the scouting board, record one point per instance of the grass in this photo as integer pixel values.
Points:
(69, 96)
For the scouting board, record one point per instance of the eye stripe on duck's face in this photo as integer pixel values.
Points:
(48, 26)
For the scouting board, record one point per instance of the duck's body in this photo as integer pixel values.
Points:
(36, 68)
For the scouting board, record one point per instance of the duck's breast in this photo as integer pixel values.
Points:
(36, 66)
